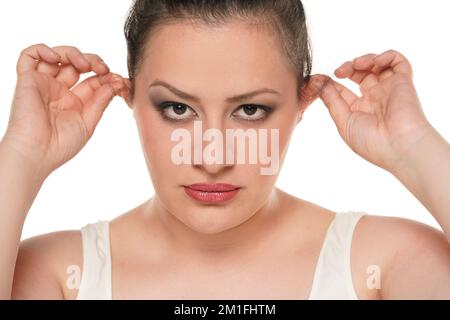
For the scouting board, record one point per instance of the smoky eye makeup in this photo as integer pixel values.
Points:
(178, 112)
(253, 112)
(175, 111)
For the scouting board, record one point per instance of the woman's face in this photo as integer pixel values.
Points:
(213, 64)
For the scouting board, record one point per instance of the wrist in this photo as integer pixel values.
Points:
(428, 149)
(13, 159)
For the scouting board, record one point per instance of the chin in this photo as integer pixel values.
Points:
(212, 220)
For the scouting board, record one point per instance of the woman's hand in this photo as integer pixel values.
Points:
(51, 117)
(387, 120)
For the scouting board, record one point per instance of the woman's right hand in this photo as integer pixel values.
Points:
(52, 117)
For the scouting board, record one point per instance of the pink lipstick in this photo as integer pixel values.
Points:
(211, 192)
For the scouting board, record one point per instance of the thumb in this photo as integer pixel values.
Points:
(96, 106)
(336, 104)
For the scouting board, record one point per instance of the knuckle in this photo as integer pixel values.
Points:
(111, 89)
(74, 50)
(33, 48)
(392, 51)
(397, 53)
(93, 57)
(67, 49)
(30, 48)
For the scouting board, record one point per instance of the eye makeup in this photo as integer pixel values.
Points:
(247, 112)
(175, 111)
(180, 112)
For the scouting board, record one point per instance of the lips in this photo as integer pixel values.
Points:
(207, 192)
(213, 187)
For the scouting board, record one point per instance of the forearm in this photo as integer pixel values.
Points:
(425, 171)
(19, 186)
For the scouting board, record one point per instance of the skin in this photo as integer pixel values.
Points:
(173, 247)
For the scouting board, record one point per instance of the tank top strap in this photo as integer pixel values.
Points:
(96, 275)
(333, 276)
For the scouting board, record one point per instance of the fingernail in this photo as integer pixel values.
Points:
(117, 86)
(116, 78)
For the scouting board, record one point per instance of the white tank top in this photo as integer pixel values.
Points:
(332, 276)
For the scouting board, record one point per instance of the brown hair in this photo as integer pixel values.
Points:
(286, 17)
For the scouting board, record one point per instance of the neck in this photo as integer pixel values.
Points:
(245, 236)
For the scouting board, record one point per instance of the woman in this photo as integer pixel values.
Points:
(219, 229)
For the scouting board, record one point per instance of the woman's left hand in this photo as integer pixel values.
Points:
(386, 121)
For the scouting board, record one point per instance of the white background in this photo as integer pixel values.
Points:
(109, 176)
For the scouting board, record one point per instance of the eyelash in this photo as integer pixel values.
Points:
(167, 105)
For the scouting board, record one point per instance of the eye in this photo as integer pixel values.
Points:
(176, 111)
(253, 112)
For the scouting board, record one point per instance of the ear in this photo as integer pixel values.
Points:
(129, 96)
(310, 91)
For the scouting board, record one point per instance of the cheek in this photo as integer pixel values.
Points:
(155, 140)
(261, 184)
(285, 123)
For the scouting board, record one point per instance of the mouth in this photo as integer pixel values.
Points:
(212, 193)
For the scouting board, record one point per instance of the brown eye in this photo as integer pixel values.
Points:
(176, 111)
(252, 112)
(250, 109)
(179, 109)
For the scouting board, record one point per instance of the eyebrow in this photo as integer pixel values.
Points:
(233, 99)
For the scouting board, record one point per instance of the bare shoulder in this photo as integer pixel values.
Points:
(50, 266)
(413, 258)
(42, 265)
(304, 222)
(302, 209)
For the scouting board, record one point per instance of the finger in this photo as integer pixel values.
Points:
(66, 74)
(73, 56)
(97, 63)
(353, 68)
(365, 79)
(70, 76)
(30, 56)
(395, 60)
(125, 93)
(346, 94)
(365, 62)
(51, 69)
(337, 106)
(354, 102)
(310, 89)
(386, 74)
(94, 109)
(87, 88)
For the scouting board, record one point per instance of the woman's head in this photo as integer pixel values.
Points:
(286, 19)
(186, 59)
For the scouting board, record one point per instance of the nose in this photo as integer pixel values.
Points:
(213, 169)
(212, 147)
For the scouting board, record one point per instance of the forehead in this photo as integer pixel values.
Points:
(233, 54)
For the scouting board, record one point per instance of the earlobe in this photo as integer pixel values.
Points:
(130, 105)
(300, 113)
